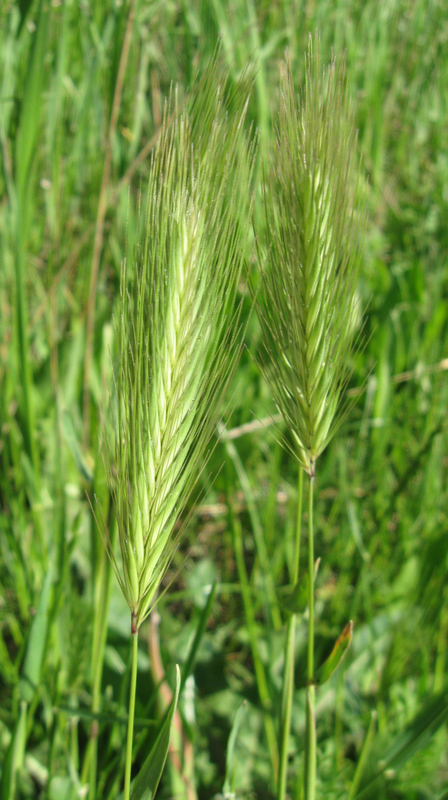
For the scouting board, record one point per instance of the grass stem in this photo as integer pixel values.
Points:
(359, 771)
(295, 574)
(102, 600)
(260, 541)
(259, 670)
(127, 772)
(101, 215)
(310, 743)
(288, 674)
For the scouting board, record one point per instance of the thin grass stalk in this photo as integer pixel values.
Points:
(442, 644)
(295, 574)
(310, 743)
(102, 600)
(101, 215)
(51, 757)
(260, 541)
(362, 761)
(74, 734)
(26, 383)
(288, 674)
(249, 613)
(180, 750)
(130, 737)
(20, 197)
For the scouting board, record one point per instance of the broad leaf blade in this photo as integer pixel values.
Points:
(294, 599)
(340, 648)
(147, 781)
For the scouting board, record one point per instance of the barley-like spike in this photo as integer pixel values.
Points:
(178, 334)
(307, 302)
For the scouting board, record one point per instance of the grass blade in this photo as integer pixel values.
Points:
(340, 648)
(14, 756)
(37, 641)
(228, 788)
(413, 738)
(189, 664)
(147, 781)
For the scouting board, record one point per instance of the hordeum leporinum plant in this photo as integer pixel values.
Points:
(309, 308)
(178, 331)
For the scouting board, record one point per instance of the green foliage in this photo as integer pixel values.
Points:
(14, 756)
(381, 491)
(340, 648)
(147, 781)
(32, 666)
(229, 787)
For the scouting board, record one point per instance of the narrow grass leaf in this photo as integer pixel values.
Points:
(192, 653)
(417, 735)
(14, 756)
(32, 101)
(359, 771)
(147, 781)
(37, 641)
(259, 534)
(229, 782)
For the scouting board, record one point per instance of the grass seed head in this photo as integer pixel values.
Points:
(178, 333)
(308, 303)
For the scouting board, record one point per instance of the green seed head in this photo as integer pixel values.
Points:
(308, 304)
(178, 332)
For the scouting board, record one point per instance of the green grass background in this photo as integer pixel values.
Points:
(381, 492)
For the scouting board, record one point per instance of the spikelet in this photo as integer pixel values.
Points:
(307, 302)
(179, 334)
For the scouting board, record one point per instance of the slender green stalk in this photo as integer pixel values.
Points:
(295, 574)
(102, 600)
(127, 771)
(288, 674)
(363, 757)
(260, 541)
(249, 612)
(310, 671)
(101, 214)
(439, 672)
(310, 744)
